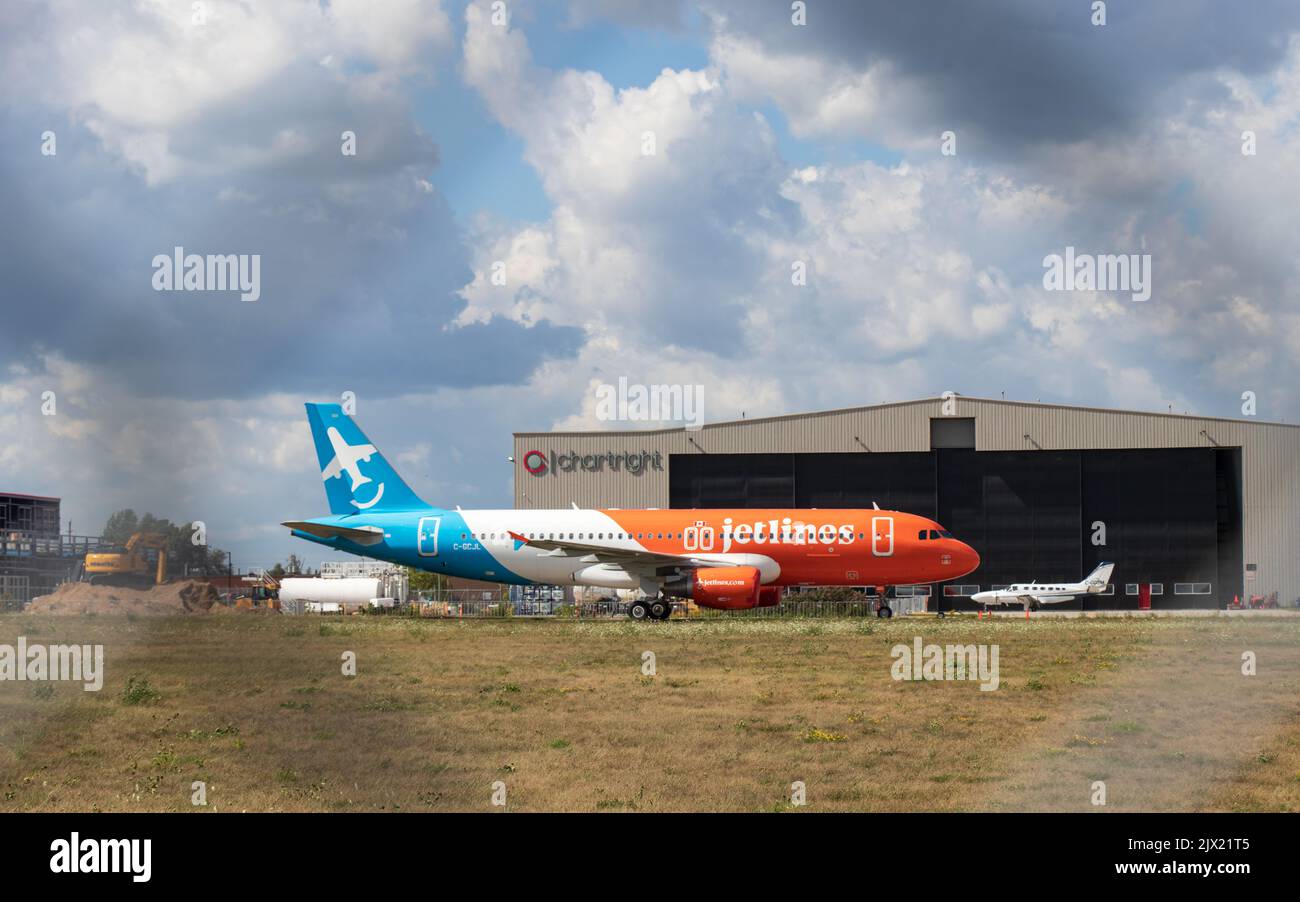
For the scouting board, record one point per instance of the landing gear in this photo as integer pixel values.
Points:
(882, 602)
(659, 608)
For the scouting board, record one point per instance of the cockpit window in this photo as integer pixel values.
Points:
(945, 533)
(921, 535)
(934, 533)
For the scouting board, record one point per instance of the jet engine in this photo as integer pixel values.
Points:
(731, 589)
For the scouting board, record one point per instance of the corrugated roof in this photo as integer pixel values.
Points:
(893, 404)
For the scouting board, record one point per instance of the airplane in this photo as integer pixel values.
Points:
(1032, 594)
(730, 559)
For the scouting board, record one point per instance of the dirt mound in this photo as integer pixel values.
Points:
(189, 597)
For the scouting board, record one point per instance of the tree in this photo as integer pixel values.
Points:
(424, 581)
(183, 556)
(119, 527)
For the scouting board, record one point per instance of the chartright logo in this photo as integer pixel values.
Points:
(535, 462)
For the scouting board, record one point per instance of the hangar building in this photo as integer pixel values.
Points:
(1193, 510)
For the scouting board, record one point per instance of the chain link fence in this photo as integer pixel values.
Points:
(460, 604)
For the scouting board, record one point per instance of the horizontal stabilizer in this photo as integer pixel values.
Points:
(362, 535)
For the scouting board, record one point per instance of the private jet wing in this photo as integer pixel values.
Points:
(628, 558)
(362, 535)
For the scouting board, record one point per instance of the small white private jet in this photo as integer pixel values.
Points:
(1031, 595)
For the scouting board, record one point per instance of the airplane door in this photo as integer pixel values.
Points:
(882, 536)
(427, 536)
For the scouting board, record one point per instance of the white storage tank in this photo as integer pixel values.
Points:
(296, 593)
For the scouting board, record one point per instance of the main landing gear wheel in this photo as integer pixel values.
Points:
(885, 611)
(638, 610)
(660, 609)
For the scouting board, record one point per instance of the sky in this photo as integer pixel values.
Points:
(547, 196)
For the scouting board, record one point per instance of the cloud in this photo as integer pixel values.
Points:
(922, 276)
(1006, 74)
(680, 265)
(226, 137)
(177, 89)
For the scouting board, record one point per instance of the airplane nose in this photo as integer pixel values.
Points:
(967, 558)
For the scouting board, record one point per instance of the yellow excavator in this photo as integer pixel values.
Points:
(131, 566)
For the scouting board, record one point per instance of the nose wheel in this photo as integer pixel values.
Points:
(882, 602)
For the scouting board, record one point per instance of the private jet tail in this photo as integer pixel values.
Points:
(356, 475)
(1099, 579)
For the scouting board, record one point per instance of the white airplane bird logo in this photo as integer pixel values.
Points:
(346, 459)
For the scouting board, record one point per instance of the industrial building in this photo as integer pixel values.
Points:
(1194, 511)
(34, 556)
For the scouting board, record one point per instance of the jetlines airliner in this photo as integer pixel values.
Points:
(727, 558)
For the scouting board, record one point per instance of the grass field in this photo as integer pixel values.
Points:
(257, 707)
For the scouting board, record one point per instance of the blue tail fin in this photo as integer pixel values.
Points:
(356, 475)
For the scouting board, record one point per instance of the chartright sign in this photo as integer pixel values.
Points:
(634, 463)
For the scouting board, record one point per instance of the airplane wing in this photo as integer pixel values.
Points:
(627, 558)
(362, 535)
(1049, 599)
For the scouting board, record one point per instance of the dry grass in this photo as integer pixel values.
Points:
(257, 708)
